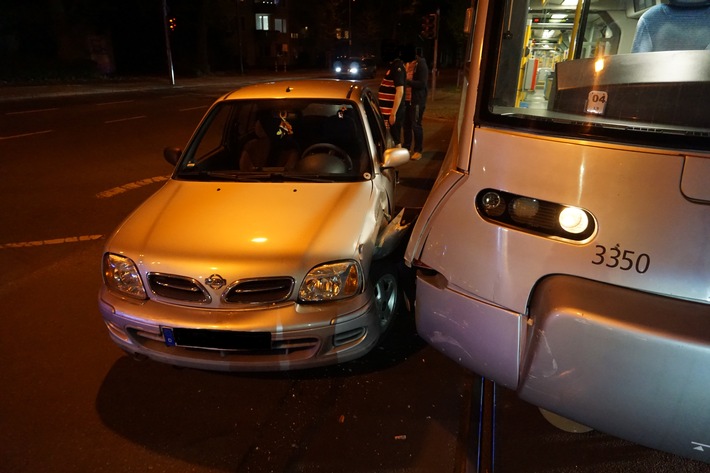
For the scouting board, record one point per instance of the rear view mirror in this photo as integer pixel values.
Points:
(395, 157)
(172, 155)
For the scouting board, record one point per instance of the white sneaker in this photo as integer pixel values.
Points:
(416, 156)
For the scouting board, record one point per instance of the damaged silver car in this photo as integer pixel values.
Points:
(270, 246)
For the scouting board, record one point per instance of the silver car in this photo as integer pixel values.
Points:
(268, 248)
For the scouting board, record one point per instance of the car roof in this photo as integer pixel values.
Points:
(299, 89)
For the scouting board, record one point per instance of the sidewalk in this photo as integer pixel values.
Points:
(99, 86)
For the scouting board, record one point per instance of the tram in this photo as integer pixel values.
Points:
(564, 251)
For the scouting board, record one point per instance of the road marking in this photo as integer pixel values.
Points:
(32, 111)
(113, 103)
(56, 241)
(130, 186)
(25, 134)
(699, 446)
(193, 108)
(124, 119)
(76, 239)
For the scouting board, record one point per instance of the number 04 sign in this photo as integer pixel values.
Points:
(596, 102)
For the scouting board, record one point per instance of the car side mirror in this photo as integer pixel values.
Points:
(172, 155)
(395, 157)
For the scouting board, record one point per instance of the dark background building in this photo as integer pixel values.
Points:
(61, 39)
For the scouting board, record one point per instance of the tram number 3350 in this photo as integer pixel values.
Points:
(625, 260)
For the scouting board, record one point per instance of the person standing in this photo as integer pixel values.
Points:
(390, 97)
(417, 95)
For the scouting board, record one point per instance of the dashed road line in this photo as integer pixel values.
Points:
(23, 112)
(125, 119)
(130, 186)
(193, 108)
(23, 135)
(56, 241)
(102, 104)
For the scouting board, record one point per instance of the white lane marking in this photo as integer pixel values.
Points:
(25, 134)
(75, 239)
(56, 241)
(130, 186)
(32, 111)
(193, 108)
(113, 103)
(124, 119)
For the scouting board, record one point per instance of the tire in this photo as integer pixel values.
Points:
(386, 293)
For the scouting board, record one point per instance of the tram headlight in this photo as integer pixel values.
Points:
(524, 208)
(539, 217)
(493, 204)
(573, 220)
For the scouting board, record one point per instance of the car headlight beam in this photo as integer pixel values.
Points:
(331, 281)
(121, 275)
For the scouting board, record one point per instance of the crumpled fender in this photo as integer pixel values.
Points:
(392, 233)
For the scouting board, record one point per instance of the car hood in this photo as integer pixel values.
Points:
(248, 229)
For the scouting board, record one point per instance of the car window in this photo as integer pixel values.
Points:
(211, 138)
(376, 123)
(280, 139)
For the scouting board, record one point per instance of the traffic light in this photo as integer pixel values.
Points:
(429, 26)
(172, 23)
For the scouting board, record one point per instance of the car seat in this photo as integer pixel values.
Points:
(266, 149)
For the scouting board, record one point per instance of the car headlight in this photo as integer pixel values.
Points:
(121, 275)
(331, 281)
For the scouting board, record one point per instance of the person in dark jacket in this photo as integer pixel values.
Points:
(415, 103)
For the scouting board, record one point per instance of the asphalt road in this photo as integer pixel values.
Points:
(72, 166)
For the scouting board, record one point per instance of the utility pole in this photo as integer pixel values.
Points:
(167, 42)
(434, 72)
(239, 36)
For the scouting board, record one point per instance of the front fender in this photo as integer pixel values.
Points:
(392, 232)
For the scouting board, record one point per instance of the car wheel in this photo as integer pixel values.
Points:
(385, 288)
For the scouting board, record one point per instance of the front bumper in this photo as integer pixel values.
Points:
(631, 364)
(301, 336)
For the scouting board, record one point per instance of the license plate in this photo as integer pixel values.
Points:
(216, 339)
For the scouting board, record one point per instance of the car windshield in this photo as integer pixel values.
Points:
(605, 67)
(279, 140)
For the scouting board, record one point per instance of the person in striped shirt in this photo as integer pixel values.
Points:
(390, 97)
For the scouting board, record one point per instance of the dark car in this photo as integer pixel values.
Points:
(355, 68)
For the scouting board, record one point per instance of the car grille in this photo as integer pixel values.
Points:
(246, 291)
(178, 287)
(259, 291)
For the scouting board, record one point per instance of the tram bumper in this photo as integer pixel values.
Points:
(628, 363)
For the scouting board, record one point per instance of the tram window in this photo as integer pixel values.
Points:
(560, 63)
(641, 5)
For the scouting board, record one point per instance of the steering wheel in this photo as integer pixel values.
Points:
(331, 149)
